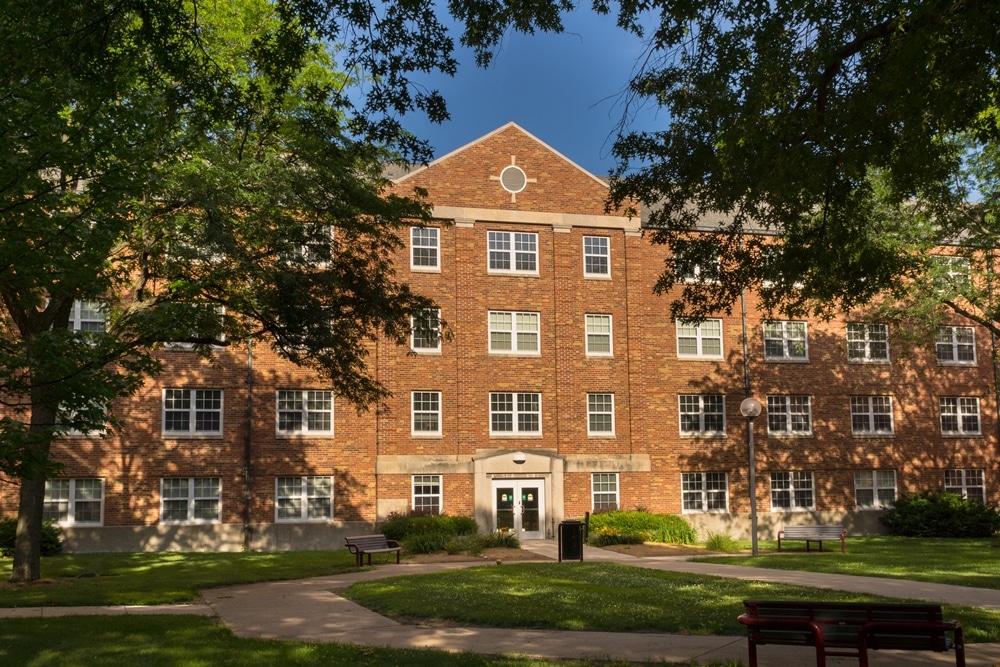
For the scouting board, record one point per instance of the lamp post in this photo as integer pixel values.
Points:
(751, 409)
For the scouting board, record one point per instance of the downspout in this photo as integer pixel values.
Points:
(248, 451)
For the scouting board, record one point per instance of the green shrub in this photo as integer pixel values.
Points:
(502, 537)
(404, 526)
(51, 544)
(665, 528)
(425, 543)
(606, 536)
(723, 542)
(936, 513)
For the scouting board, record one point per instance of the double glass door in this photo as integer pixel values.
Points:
(517, 505)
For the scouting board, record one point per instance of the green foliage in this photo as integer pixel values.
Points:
(935, 513)
(403, 526)
(499, 538)
(51, 544)
(627, 526)
(723, 542)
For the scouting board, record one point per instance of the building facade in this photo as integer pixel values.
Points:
(559, 385)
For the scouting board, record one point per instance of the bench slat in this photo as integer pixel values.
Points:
(362, 545)
(813, 534)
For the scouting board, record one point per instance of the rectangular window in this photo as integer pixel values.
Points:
(867, 342)
(792, 491)
(699, 339)
(600, 414)
(427, 494)
(598, 335)
(425, 327)
(959, 415)
(785, 341)
(304, 498)
(73, 423)
(789, 415)
(305, 411)
(596, 256)
(88, 316)
(192, 412)
(212, 320)
(696, 263)
(875, 489)
(424, 248)
(71, 502)
(871, 415)
(951, 274)
(702, 415)
(190, 500)
(515, 414)
(514, 333)
(956, 345)
(426, 413)
(513, 252)
(704, 492)
(316, 248)
(604, 491)
(970, 483)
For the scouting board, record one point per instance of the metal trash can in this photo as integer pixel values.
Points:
(571, 540)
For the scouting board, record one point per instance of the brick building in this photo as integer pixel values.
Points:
(560, 386)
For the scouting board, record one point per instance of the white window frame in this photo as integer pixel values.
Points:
(970, 483)
(76, 492)
(510, 248)
(881, 484)
(424, 404)
(950, 341)
(87, 313)
(194, 491)
(862, 341)
(306, 484)
(305, 253)
(425, 241)
(794, 409)
(193, 397)
(797, 482)
(687, 330)
(871, 407)
(308, 405)
(67, 432)
(963, 410)
(434, 324)
(520, 331)
(600, 406)
(594, 325)
(519, 409)
(689, 401)
(596, 249)
(956, 272)
(701, 490)
(604, 491)
(784, 335)
(427, 494)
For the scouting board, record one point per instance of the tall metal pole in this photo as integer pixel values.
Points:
(752, 466)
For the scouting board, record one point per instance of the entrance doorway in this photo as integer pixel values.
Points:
(517, 505)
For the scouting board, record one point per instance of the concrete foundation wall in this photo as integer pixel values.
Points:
(768, 524)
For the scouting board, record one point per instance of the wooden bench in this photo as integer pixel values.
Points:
(850, 629)
(813, 534)
(363, 545)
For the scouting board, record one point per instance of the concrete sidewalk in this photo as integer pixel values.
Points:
(309, 610)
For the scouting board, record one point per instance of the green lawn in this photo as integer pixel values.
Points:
(161, 578)
(602, 596)
(191, 641)
(969, 562)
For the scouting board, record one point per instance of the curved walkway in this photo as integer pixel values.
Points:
(308, 610)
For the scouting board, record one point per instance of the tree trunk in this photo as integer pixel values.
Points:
(28, 542)
(28, 539)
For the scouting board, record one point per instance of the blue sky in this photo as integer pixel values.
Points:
(564, 89)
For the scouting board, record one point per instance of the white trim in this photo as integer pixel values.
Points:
(190, 498)
(439, 495)
(515, 413)
(413, 414)
(590, 413)
(303, 412)
(604, 492)
(702, 492)
(869, 413)
(699, 338)
(515, 331)
(792, 488)
(610, 334)
(867, 341)
(303, 498)
(785, 409)
(426, 268)
(71, 500)
(606, 256)
(192, 410)
(426, 350)
(786, 340)
(954, 345)
(510, 238)
(960, 414)
(702, 431)
(874, 486)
